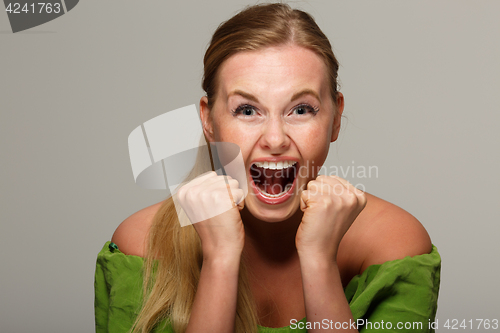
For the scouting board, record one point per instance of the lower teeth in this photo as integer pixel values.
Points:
(287, 188)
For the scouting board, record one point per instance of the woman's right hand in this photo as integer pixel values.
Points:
(212, 203)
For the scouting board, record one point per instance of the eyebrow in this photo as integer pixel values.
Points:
(305, 92)
(244, 94)
(294, 97)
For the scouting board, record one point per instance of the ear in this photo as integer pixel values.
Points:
(338, 116)
(206, 119)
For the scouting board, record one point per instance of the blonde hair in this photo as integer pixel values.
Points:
(174, 256)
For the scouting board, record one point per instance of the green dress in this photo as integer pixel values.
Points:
(397, 296)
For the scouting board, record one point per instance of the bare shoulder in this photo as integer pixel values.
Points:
(132, 233)
(384, 232)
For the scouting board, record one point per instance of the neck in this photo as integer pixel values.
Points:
(271, 242)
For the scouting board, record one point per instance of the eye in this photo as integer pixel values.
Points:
(304, 109)
(245, 110)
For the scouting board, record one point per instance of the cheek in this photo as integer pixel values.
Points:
(313, 145)
(231, 134)
(243, 137)
(312, 141)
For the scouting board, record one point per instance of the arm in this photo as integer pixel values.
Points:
(214, 308)
(401, 283)
(389, 233)
(403, 290)
(330, 206)
(324, 296)
(222, 239)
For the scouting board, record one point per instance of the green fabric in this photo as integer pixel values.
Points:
(400, 291)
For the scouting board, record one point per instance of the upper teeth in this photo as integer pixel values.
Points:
(275, 165)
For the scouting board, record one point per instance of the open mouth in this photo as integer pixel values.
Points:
(274, 179)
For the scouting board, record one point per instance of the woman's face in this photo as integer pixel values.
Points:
(275, 104)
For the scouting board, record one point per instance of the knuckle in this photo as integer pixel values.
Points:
(181, 192)
(305, 194)
(325, 201)
(350, 198)
(338, 189)
(203, 195)
(189, 197)
(350, 195)
(363, 199)
(217, 195)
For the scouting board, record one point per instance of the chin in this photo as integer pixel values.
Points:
(272, 213)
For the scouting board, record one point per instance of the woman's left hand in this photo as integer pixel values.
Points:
(330, 205)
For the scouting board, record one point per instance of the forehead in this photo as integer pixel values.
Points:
(274, 71)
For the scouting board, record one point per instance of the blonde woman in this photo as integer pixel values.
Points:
(300, 252)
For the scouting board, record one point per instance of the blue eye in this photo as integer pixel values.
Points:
(304, 109)
(245, 110)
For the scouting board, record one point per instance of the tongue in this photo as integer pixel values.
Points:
(272, 184)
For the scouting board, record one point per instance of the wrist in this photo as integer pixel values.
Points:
(222, 259)
(221, 269)
(316, 260)
(316, 251)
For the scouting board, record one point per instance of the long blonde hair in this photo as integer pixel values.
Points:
(174, 256)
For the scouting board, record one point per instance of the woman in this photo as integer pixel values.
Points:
(298, 246)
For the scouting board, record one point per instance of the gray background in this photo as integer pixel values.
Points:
(421, 80)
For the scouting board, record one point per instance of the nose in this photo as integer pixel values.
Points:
(274, 137)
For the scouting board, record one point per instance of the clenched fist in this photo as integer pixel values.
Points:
(330, 205)
(212, 203)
